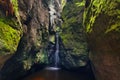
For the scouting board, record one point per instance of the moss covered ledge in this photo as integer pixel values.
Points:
(9, 38)
(10, 27)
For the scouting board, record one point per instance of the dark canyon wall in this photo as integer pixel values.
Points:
(101, 19)
(34, 15)
(35, 21)
(101, 29)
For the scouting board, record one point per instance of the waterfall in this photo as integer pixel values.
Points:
(55, 9)
(56, 54)
(57, 49)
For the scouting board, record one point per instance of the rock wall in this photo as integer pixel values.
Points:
(101, 19)
(9, 29)
(73, 32)
(35, 21)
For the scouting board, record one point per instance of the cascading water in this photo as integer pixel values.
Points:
(55, 9)
(57, 49)
(56, 54)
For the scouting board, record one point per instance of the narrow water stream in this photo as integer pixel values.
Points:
(57, 49)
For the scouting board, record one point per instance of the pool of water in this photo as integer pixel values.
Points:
(59, 74)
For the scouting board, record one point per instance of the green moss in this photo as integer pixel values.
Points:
(10, 22)
(15, 6)
(63, 3)
(16, 10)
(9, 38)
(98, 7)
(91, 13)
(72, 28)
(9, 31)
(115, 27)
(79, 4)
(42, 57)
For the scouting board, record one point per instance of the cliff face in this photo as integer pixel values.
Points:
(40, 20)
(73, 33)
(101, 19)
(9, 29)
(35, 20)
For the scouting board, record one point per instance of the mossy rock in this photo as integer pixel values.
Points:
(102, 22)
(10, 30)
(100, 7)
(9, 38)
(73, 33)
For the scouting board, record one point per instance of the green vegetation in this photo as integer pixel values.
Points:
(63, 3)
(9, 21)
(42, 57)
(9, 38)
(80, 4)
(9, 31)
(72, 29)
(100, 7)
(16, 10)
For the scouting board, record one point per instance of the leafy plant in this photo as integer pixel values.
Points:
(80, 4)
